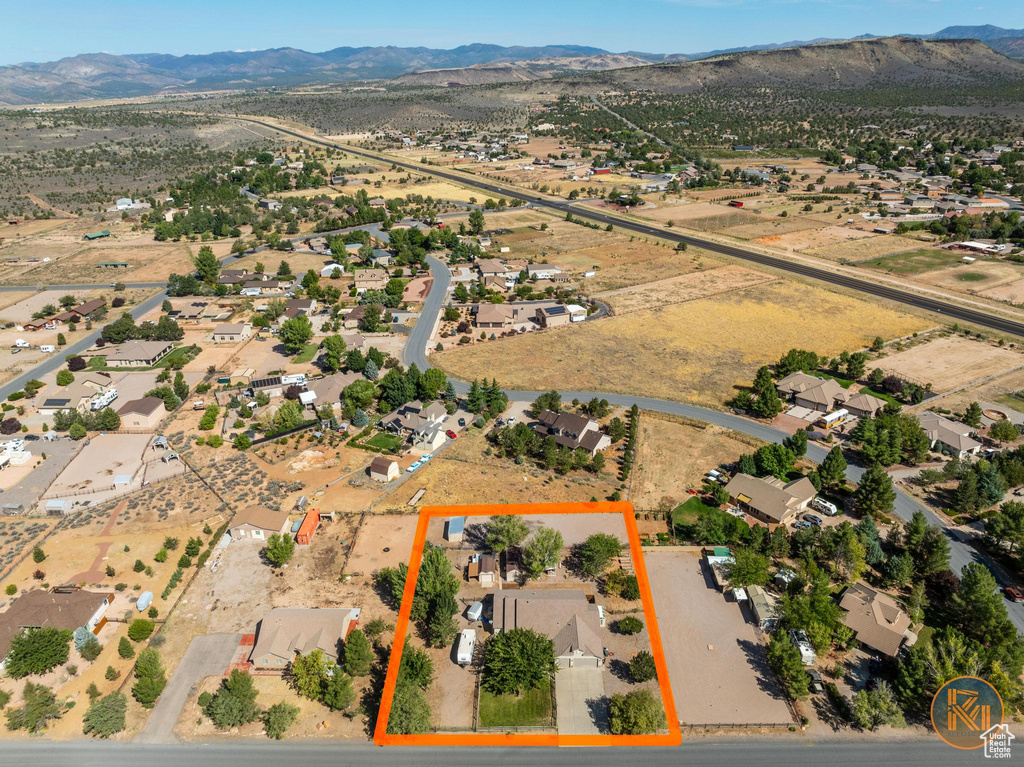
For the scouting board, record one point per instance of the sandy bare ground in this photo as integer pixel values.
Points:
(865, 248)
(950, 362)
(1012, 291)
(687, 287)
(673, 455)
(811, 238)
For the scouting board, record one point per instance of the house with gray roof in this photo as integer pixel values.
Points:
(286, 632)
(565, 616)
(769, 499)
(948, 436)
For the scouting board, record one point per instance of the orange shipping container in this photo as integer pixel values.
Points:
(308, 527)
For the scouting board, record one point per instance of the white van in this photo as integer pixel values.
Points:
(47, 349)
(467, 644)
(21, 343)
(825, 507)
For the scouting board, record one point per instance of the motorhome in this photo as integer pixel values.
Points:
(467, 644)
(103, 400)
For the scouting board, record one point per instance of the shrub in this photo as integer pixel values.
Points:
(11, 589)
(235, 702)
(279, 718)
(140, 629)
(139, 566)
(110, 571)
(204, 700)
(91, 650)
(125, 649)
(629, 625)
(642, 668)
(112, 673)
(38, 555)
(184, 561)
(39, 705)
(636, 713)
(72, 669)
(106, 716)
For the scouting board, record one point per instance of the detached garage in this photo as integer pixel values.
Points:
(145, 413)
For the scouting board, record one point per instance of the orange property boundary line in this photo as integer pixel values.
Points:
(381, 736)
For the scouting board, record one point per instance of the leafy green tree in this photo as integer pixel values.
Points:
(629, 625)
(1003, 431)
(65, 378)
(642, 668)
(279, 549)
(39, 705)
(797, 443)
(359, 394)
(149, 678)
(784, 659)
(476, 221)
(875, 493)
(106, 715)
(750, 568)
(235, 702)
(517, 660)
(308, 674)
(295, 333)
(278, 718)
(872, 709)
(543, 550)
(636, 713)
(140, 629)
(416, 667)
(358, 655)
(206, 265)
(410, 712)
(551, 400)
(37, 650)
(505, 531)
(597, 552)
(333, 353)
(899, 570)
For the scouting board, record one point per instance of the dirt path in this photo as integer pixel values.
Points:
(46, 206)
(95, 571)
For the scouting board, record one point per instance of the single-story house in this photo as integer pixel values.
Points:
(563, 615)
(764, 608)
(821, 394)
(491, 267)
(354, 318)
(192, 311)
(65, 607)
(484, 568)
(572, 430)
(383, 469)
(138, 354)
(553, 316)
(371, 279)
(769, 499)
(877, 619)
(85, 309)
(497, 316)
(328, 389)
(258, 523)
(145, 413)
(542, 271)
(77, 396)
(303, 305)
(286, 632)
(863, 403)
(949, 436)
(232, 332)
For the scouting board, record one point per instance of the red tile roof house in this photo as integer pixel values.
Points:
(61, 608)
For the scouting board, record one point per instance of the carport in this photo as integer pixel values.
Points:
(581, 706)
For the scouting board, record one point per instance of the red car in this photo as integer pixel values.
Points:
(450, 434)
(1013, 594)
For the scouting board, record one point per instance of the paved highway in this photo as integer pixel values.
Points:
(946, 308)
(785, 751)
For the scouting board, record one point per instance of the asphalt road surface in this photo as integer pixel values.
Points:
(947, 309)
(785, 751)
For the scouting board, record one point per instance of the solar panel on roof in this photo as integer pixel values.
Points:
(556, 310)
(56, 402)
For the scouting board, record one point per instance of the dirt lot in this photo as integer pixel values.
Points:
(463, 473)
(807, 239)
(93, 469)
(864, 248)
(683, 212)
(687, 287)
(394, 532)
(716, 662)
(695, 351)
(999, 390)
(673, 455)
(621, 263)
(951, 361)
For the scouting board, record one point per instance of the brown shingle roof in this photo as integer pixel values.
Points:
(62, 609)
(564, 615)
(144, 406)
(261, 517)
(877, 618)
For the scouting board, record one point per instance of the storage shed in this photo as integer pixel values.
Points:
(308, 528)
(454, 529)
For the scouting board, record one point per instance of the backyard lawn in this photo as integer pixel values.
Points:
(307, 354)
(183, 353)
(531, 708)
(384, 441)
(687, 513)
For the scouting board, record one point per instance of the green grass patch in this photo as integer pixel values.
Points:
(914, 262)
(98, 362)
(846, 383)
(384, 441)
(186, 353)
(881, 395)
(972, 277)
(307, 354)
(687, 513)
(531, 708)
(1011, 401)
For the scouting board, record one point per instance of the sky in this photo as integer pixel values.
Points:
(46, 30)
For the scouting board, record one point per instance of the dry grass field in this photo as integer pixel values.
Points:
(864, 248)
(765, 226)
(686, 287)
(673, 454)
(807, 239)
(952, 361)
(681, 211)
(694, 352)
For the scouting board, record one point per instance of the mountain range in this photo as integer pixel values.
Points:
(102, 75)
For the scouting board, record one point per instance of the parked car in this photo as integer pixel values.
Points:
(414, 466)
(816, 684)
(462, 422)
(825, 507)
(801, 525)
(510, 420)
(1013, 594)
(814, 519)
(450, 434)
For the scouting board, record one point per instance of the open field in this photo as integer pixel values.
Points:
(807, 239)
(682, 212)
(994, 277)
(686, 287)
(765, 226)
(914, 261)
(716, 663)
(622, 264)
(693, 352)
(864, 248)
(949, 362)
(673, 455)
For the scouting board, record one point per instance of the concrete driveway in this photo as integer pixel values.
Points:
(579, 697)
(207, 655)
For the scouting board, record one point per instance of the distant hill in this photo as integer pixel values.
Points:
(887, 61)
(521, 71)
